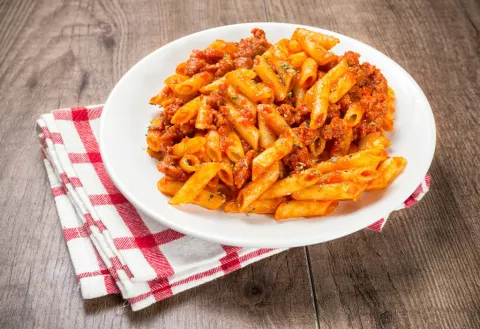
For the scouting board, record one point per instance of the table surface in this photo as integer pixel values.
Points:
(421, 272)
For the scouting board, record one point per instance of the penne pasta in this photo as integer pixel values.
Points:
(212, 146)
(319, 103)
(282, 146)
(188, 146)
(318, 146)
(295, 209)
(373, 140)
(203, 113)
(294, 47)
(297, 59)
(241, 101)
(354, 115)
(175, 79)
(292, 183)
(388, 121)
(241, 79)
(196, 183)
(388, 171)
(344, 84)
(154, 138)
(211, 87)
(308, 73)
(235, 149)
(270, 78)
(224, 46)
(193, 84)
(271, 98)
(299, 93)
(336, 72)
(330, 192)
(361, 175)
(365, 158)
(245, 129)
(286, 73)
(267, 137)
(180, 69)
(154, 154)
(187, 112)
(189, 163)
(273, 119)
(311, 43)
(253, 190)
(245, 125)
(213, 184)
(205, 199)
(226, 174)
(162, 96)
(257, 207)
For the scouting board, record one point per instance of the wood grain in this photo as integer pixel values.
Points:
(61, 54)
(421, 272)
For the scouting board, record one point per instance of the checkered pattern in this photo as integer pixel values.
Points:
(114, 248)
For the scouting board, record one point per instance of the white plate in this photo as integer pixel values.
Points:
(127, 113)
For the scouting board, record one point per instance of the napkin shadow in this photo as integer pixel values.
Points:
(99, 305)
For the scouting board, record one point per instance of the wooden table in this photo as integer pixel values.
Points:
(423, 271)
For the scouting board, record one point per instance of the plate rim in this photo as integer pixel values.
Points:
(240, 241)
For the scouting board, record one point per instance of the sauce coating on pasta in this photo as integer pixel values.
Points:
(293, 107)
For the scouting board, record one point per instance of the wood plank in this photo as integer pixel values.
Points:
(66, 53)
(422, 271)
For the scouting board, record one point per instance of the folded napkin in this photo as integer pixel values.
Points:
(114, 248)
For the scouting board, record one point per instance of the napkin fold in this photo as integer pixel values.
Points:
(114, 248)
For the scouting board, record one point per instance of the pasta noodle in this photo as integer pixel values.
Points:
(295, 209)
(288, 129)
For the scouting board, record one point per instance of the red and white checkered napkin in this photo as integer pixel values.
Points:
(114, 248)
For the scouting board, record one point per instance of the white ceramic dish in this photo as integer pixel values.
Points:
(127, 113)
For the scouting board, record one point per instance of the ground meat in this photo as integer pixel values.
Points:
(301, 113)
(223, 67)
(250, 47)
(352, 58)
(215, 100)
(338, 127)
(212, 55)
(171, 108)
(221, 121)
(285, 111)
(333, 111)
(243, 62)
(307, 136)
(202, 60)
(169, 166)
(297, 160)
(245, 145)
(344, 103)
(194, 65)
(366, 127)
(326, 132)
(242, 171)
(219, 69)
(224, 127)
(173, 134)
